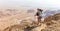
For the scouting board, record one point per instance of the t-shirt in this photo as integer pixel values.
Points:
(39, 13)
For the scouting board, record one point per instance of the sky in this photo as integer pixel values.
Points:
(31, 3)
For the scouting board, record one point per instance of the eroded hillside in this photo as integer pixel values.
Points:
(17, 20)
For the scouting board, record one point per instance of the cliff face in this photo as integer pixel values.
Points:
(52, 17)
(52, 22)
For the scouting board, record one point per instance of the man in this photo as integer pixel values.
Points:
(39, 15)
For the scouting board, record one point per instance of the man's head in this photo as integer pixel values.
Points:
(39, 9)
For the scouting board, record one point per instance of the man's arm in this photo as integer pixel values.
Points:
(36, 14)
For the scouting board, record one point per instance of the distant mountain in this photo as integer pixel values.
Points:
(50, 12)
(30, 11)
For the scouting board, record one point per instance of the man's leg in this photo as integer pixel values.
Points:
(39, 20)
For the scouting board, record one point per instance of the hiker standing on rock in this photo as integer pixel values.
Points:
(39, 15)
